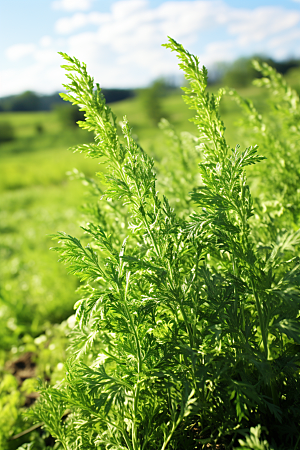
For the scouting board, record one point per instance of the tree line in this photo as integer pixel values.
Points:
(240, 73)
(30, 101)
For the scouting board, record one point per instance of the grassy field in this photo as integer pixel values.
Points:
(40, 158)
(38, 198)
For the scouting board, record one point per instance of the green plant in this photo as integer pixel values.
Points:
(188, 328)
(277, 134)
(239, 74)
(151, 99)
(68, 115)
(10, 402)
(253, 442)
(6, 132)
(12, 399)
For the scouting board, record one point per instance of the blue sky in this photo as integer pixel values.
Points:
(121, 40)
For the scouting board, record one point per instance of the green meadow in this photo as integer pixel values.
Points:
(40, 193)
(39, 197)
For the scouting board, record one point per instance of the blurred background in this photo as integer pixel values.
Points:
(120, 41)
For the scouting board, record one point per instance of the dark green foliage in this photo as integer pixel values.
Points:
(30, 101)
(241, 73)
(187, 330)
(39, 128)
(278, 135)
(6, 132)
(152, 100)
(116, 95)
(68, 115)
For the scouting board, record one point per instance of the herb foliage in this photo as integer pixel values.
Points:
(188, 328)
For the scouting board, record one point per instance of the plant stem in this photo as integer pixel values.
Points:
(139, 367)
(261, 319)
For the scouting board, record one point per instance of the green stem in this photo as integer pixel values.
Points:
(139, 367)
(157, 251)
(261, 319)
(122, 430)
(146, 224)
(139, 352)
(166, 442)
(178, 301)
(187, 324)
(236, 274)
(298, 440)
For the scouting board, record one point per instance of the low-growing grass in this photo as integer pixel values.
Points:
(25, 123)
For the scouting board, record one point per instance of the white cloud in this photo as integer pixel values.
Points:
(125, 8)
(51, 76)
(284, 40)
(72, 5)
(280, 45)
(18, 51)
(129, 38)
(123, 47)
(184, 18)
(67, 25)
(258, 24)
(41, 73)
(219, 51)
(169, 17)
(46, 41)
(134, 24)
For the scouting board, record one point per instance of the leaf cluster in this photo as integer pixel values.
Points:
(188, 330)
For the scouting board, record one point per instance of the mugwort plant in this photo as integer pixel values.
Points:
(187, 332)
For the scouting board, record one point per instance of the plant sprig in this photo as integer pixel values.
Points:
(187, 332)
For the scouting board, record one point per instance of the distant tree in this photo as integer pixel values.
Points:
(6, 102)
(6, 131)
(68, 115)
(116, 95)
(47, 102)
(151, 98)
(28, 101)
(241, 72)
(39, 128)
(283, 66)
(293, 78)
